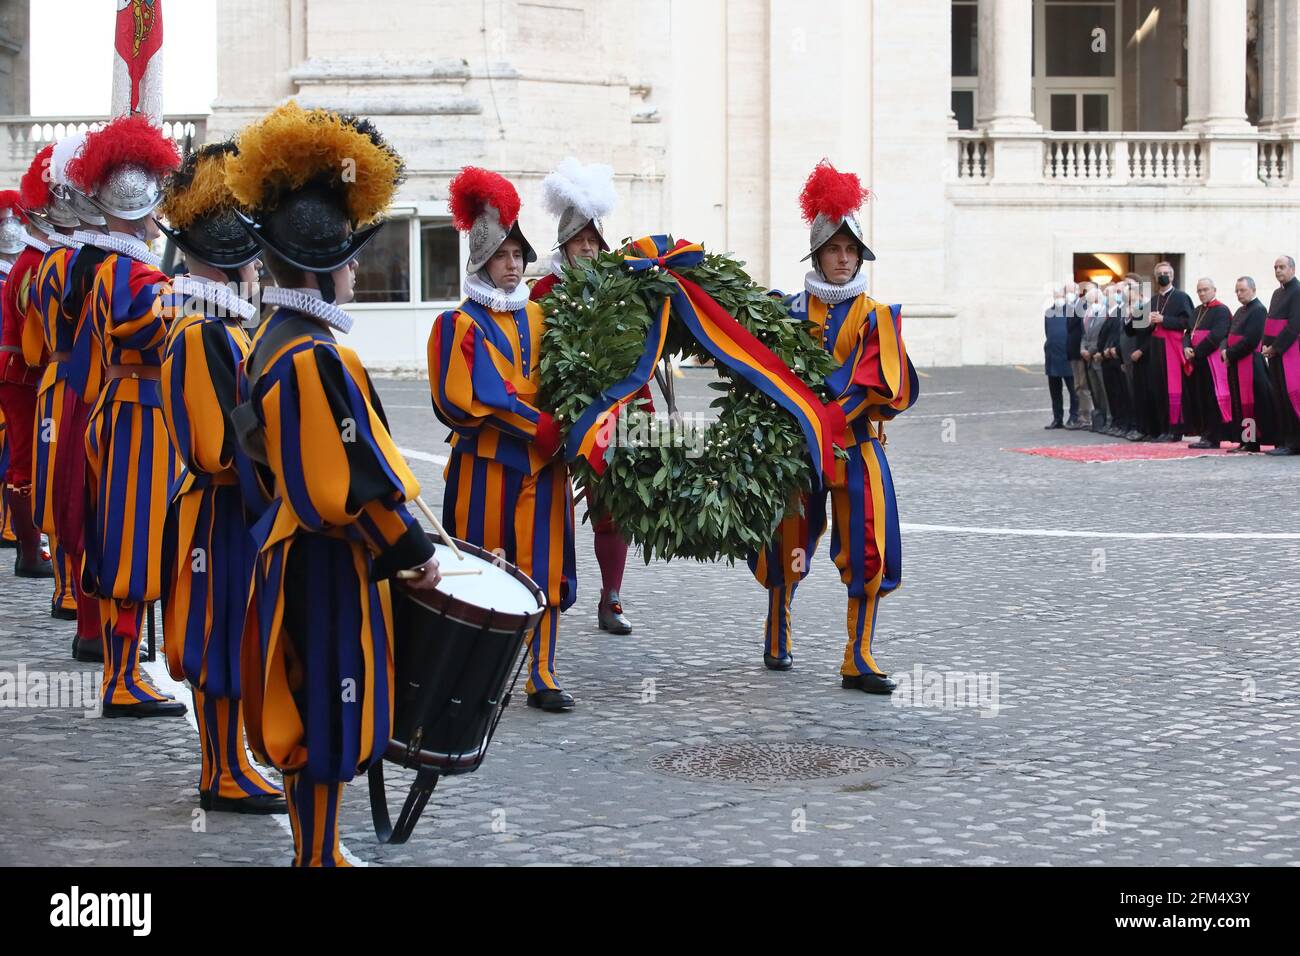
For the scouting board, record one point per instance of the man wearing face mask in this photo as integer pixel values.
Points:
(1057, 322)
(580, 197)
(1094, 317)
(873, 381)
(1281, 331)
(1119, 405)
(130, 459)
(1171, 313)
(1081, 403)
(507, 487)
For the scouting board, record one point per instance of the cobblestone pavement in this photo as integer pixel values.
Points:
(1131, 700)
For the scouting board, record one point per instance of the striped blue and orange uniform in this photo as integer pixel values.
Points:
(873, 381)
(7, 536)
(208, 552)
(318, 681)
(50, 344)
(132, 466)
(503, 493)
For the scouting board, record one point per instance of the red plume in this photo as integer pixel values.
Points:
(831, 193)
(474, 189)
(35, 185)
(127, 139)
(9, 199)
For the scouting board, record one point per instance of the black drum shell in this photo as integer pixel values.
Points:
(453, 662)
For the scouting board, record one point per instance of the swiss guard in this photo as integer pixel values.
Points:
(131, 463)
(49, 342)
(317, 682)
(485, 373)
(874, 381)
(18, 382)
(581, 197)
(11, 243)
(208, 552)
(65, 280)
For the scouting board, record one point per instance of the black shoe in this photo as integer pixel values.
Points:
(261, 803)
(1281, 451)
(1075, 424)
(1133, 435)
(610, 615)
(782, 663)
(1052, 426)
(6, 543)
(1146, 438)
(1166, 438)
(63, 614)
(40, 568)
(1200, 445)
(92, 652)
(870, 683)
(553, 701)
(148, 708)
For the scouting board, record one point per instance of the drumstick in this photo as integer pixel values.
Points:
(428, 513)
(416, 575)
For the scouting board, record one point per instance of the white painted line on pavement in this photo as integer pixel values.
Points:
(162, 679)
(423, 456)
(1129, 535)
(1011, 411)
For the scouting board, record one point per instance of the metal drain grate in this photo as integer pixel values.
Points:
(772, 763)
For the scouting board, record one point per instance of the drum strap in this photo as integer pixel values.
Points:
(249, 430)
(425, 780)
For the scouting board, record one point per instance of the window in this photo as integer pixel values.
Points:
(1078, 65)
(965, 61)
(963, 107)
(439, 261)
(965, 39)
(1080, 39)
(384, 266)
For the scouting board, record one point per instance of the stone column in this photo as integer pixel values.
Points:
(1271, 62)
(1216, 65)
(1006, 36)
(1286, 25)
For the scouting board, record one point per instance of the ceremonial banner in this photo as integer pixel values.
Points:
(138, 63)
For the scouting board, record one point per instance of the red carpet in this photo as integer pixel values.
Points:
(1125, 451)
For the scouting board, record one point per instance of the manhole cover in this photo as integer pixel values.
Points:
(772, 763)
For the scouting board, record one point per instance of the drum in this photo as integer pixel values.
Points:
(455, 649)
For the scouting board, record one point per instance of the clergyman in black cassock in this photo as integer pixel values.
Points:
(1281, 329)
(1253, 420)
(1206, 407)
(1171, 313)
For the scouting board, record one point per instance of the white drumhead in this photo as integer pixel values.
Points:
(494, 588)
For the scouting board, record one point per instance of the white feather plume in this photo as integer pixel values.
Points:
(589, 189)
(64, 150)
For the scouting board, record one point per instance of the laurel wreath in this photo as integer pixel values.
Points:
(711, 495)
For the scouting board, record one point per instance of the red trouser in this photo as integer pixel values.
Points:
(19, 404)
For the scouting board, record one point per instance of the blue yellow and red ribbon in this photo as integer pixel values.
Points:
(724, 338)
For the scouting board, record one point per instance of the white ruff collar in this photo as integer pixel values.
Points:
(833, 293)
(35, 243)
(59, 239)
(558, 262)
(5, 266)
(128, 246)
(224, 302)
(85, 237)
(309, 302)
(493, 298)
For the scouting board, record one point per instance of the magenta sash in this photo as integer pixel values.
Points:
(1245, 380)
(1290, 362)
(1219, 375)
(1173, 371)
